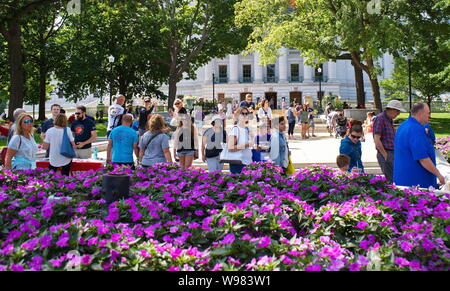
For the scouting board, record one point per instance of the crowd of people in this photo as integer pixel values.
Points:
(406, 156)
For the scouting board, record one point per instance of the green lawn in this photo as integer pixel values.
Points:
(440, 122)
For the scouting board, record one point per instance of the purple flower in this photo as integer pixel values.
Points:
(36, 263)
(364, 244)
(314, 267)
(406, 246)
(401, 262)
(63, 240)
(228, 239)
(361, 225)
(113, 214)
(17, 268)
(263, 243)
(86, 260)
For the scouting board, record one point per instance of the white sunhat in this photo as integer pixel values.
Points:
(395, 104)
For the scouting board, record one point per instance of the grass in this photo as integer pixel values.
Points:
(440, 123)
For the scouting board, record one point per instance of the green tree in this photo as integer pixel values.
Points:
(105, 28)
(39, 36)
(430, 74)
(12, 17)
(323, 29)
(194, 32)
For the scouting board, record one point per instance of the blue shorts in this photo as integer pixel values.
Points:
(185, 153)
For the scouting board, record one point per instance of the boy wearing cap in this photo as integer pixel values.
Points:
(384, 136)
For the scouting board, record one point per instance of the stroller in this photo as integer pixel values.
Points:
(341, 127)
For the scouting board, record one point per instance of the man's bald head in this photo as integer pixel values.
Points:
(127, 119)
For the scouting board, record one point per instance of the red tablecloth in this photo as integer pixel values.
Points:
(77, 166)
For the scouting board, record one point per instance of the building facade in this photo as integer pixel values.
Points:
(287, 79)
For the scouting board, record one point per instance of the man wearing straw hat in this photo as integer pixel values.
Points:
(384, 136)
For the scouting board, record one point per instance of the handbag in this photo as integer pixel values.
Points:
(233, 158)
(290, 168)
(66, 146)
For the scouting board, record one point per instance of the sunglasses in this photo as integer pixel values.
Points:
(354, 136)
(245, 113)
(28, 121)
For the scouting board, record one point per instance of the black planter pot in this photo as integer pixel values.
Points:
(115, 187)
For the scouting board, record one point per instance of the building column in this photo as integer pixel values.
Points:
(283, 66)
(234, 69)
(208, 73)
(257, 69)
(307, 73)
(331, 71)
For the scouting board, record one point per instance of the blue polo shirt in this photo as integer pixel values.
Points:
(411, 145)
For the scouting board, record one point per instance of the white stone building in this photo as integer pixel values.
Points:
(289, 78)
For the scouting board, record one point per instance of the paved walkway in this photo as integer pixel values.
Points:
(322, 149)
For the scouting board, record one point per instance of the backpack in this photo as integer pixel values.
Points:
(214, 152)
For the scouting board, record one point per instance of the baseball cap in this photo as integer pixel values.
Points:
(395, 104)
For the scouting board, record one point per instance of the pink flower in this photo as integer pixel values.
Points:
(401, 262)
(86, 260)
(264, 242)
(326, 216)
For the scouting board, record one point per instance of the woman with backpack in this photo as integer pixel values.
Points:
(154, 145)
(22, 149)
(265, 112)
(212, 144)
(185, 142)
(54, 139)
(291, 114)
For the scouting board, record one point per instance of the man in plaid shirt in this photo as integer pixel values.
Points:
(384, 135)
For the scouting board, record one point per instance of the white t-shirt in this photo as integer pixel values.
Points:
(114, 111)
(243, 137)
(262, 113)
(54, 136)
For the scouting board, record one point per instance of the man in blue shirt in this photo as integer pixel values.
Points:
(122, 141)
(414, 155)
(249, 104)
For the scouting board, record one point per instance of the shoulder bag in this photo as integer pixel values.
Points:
(66, 146)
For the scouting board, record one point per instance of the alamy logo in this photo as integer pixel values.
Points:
(374, 7)
(74, 7)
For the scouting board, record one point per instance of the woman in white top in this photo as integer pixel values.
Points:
(22, 149)
(240, 140)
(265, 113)
(53, 139)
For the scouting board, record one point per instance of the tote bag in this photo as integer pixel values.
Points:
(233, 158)
(66, 146)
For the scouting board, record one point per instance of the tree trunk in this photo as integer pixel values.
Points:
(173, 80)
(17, 77)
(375, 85)
(359, 82)
(42, 89)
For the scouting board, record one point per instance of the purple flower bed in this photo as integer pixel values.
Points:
(443, 145)
(193, 220)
